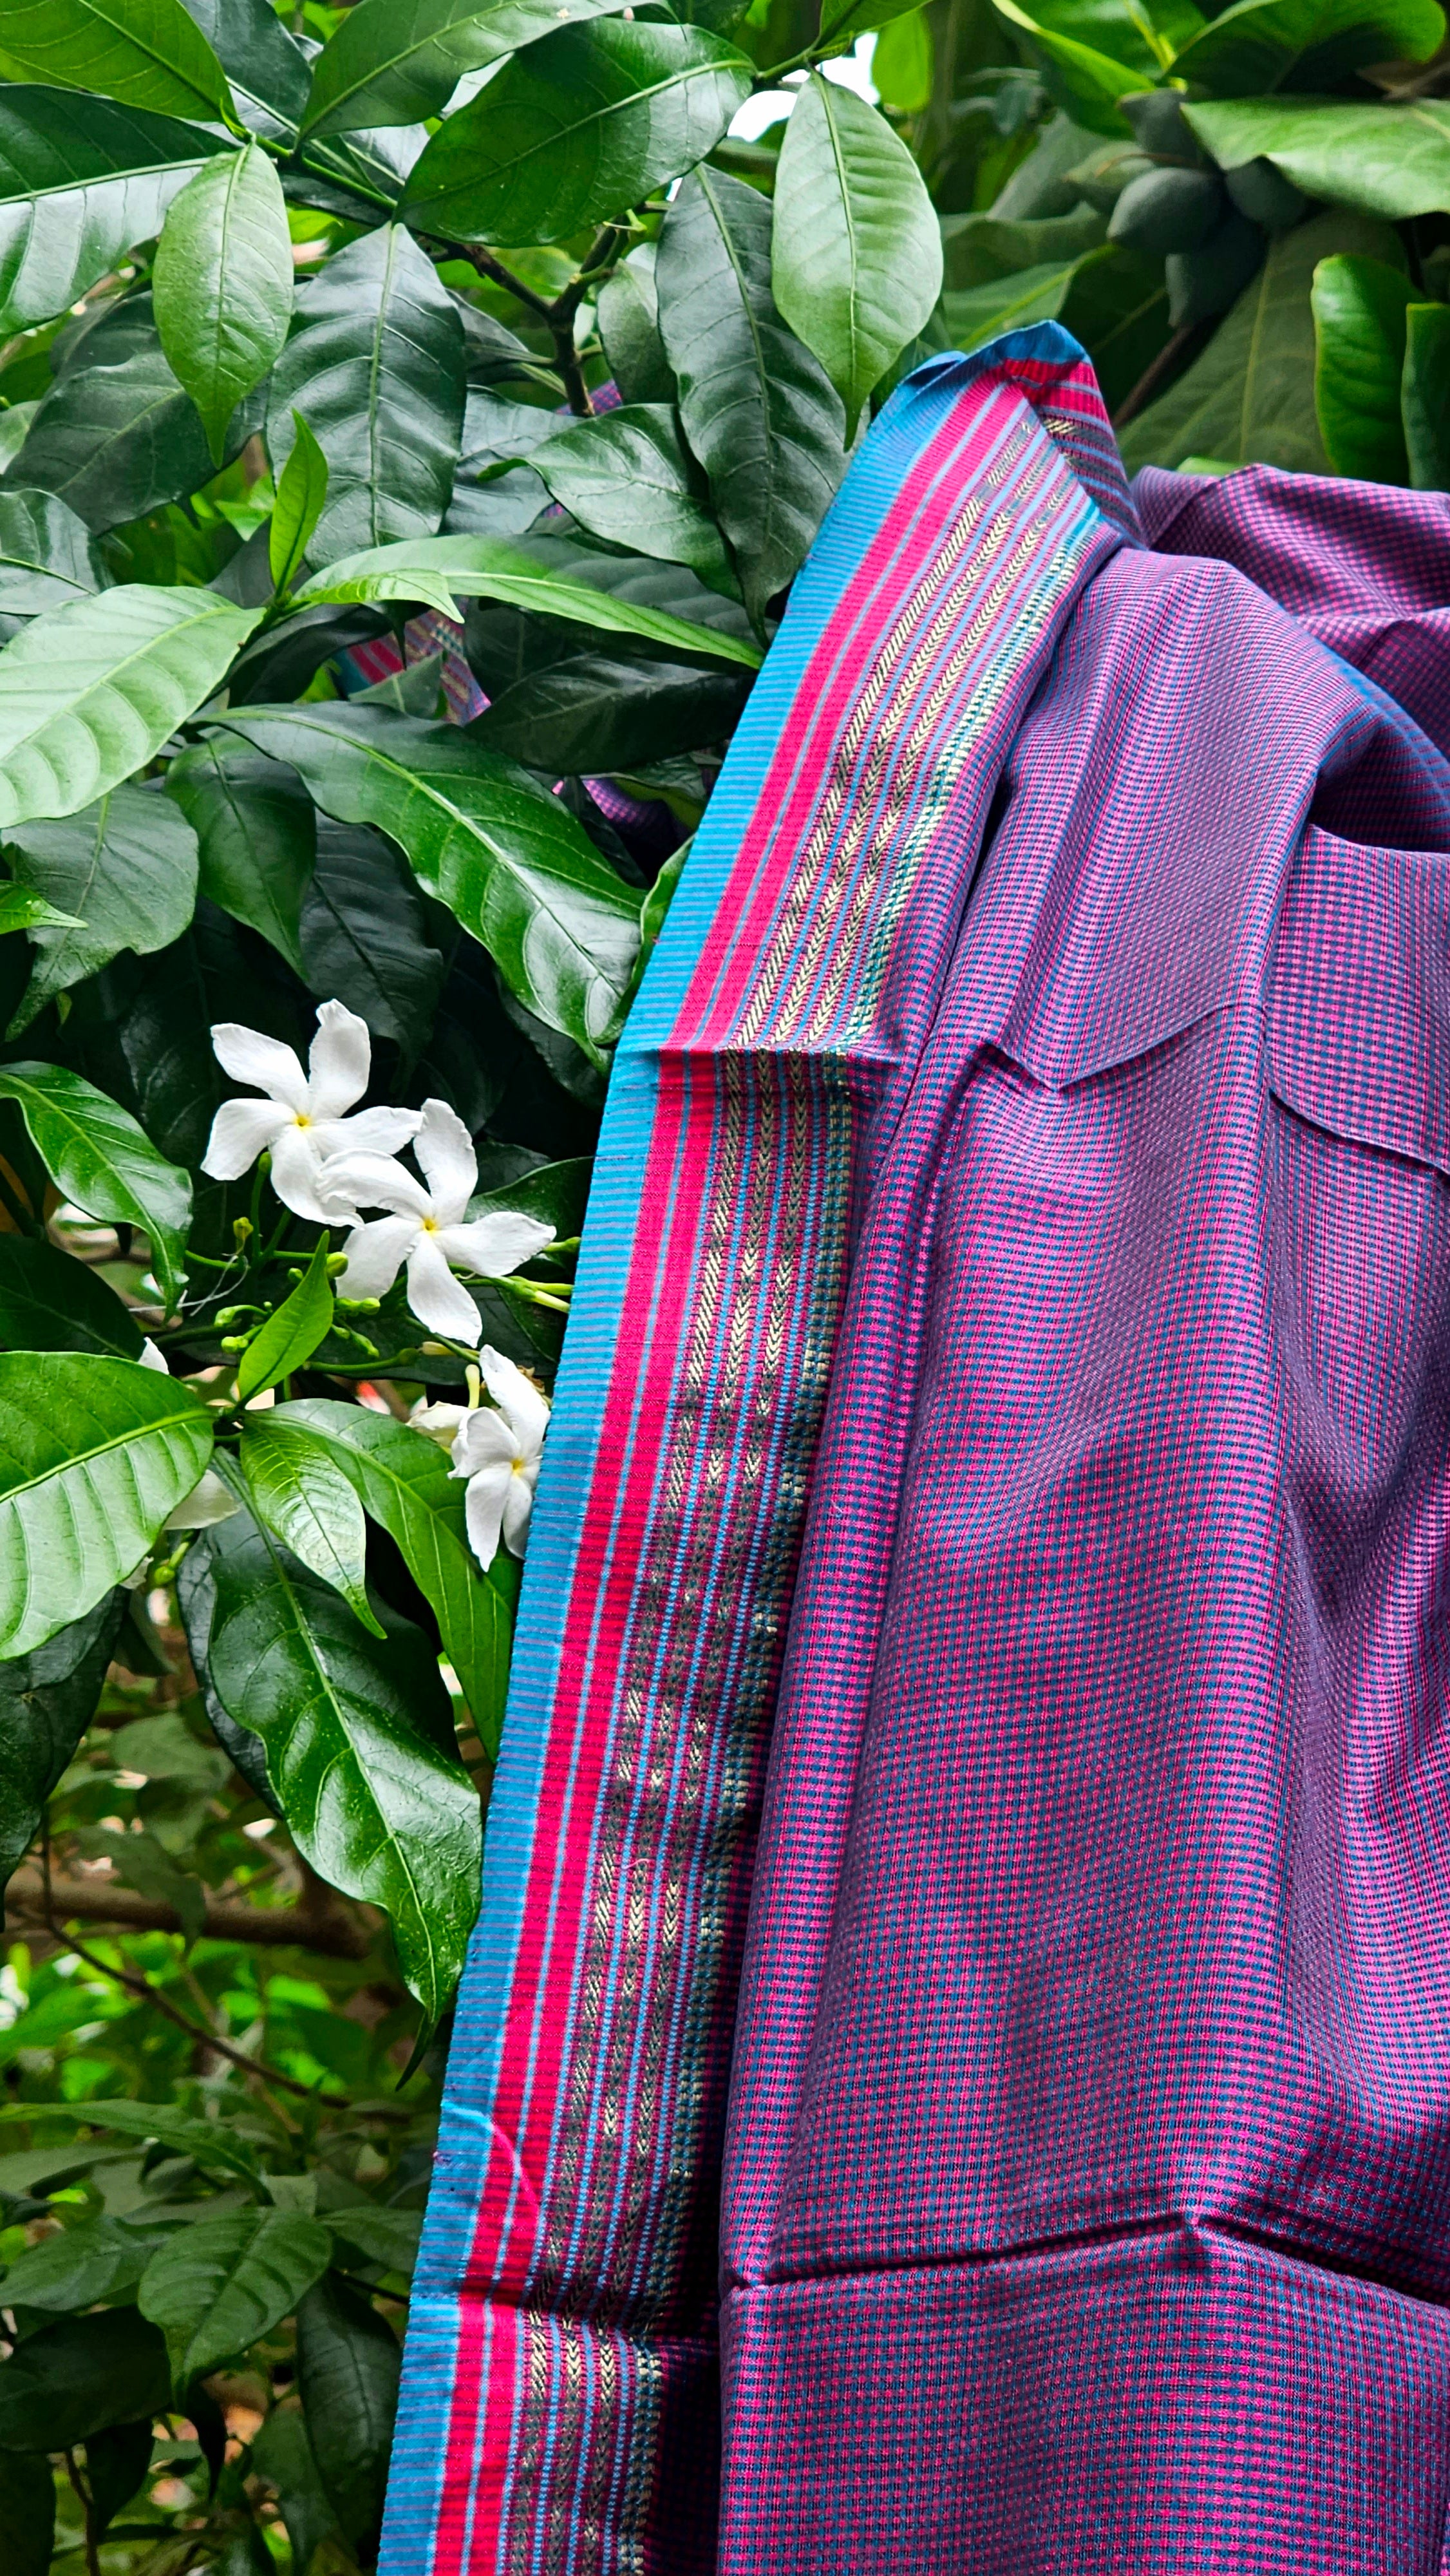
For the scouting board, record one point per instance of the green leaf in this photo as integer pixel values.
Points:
(576, 128)
(758, 410)
(145, 53)
(90, 693)
(628, 311)
(222, 282)
(375, 362)
(403, 1480)
(1426, 396)
(94, 1454)
(218, 2286)
(266, 67)
(856, 252)
(348, 2365)
(282, 2454)
(124, 870)
(508, 860)
(628, 477)
(27, 2511)
(981, 313)
(50, 1302)
(1086, 82)
(383, 2236)
(370, 1798)
(365, 935)
(510, 569)
(75, 2377)
(1379, 159)
(101, 2258)
(22, 910)
(291, 1335)
(47, 1700)
(81, 180)
(394, 65)
(904, 62)
(102, 1161)
(1359, 321)
(116, 441)
(301, 500)
(1250, 397)
(213, 2144)
(46, 555)
(117, 2460)
(299, 1492)
(256, 832)
(1259, 45)
(583, 713)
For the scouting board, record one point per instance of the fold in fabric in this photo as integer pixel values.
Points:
(1006, 1398)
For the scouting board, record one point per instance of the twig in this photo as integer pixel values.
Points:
(93, 2561)
(487, 266)
(1184, 344)
(330, 1931)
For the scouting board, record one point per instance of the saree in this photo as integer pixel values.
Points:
(953, 2077)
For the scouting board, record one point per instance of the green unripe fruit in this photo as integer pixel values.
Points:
(1207, 281)
(1168, 210)
(1264, 194)
(1103, 176)
(1156, 117)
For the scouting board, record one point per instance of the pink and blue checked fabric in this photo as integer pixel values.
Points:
(954, 2077)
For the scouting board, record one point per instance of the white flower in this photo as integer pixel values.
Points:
(499, 1454)
(210, 1499)
(440, 1422)
(301, 1120)
(426, 1228)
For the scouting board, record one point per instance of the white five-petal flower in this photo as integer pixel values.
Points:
(426, 1227)
(302, 1120)
(499, 1454)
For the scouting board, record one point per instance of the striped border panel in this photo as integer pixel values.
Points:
(560, 2387)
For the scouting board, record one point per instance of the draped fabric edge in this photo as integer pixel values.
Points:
(560, 2386)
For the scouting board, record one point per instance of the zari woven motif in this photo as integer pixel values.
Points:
(1001, 1396)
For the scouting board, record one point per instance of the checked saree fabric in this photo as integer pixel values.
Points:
(954, 2074)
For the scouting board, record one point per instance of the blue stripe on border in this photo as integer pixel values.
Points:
(916, 412)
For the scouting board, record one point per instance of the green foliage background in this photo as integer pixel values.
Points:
(313, 321)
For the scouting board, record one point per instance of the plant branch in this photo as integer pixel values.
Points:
(93, 2562)
(494, 269)
(1183, 345)
(330, 1929)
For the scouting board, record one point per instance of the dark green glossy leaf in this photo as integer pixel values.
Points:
(282, 2454)
(125, 869)
(629, 326)
(1082, 78)
(291, 1335)
(1250, 397)
(116, 2462)
(222, 283)
(116, 440)
(369, 1799)
(505, 857)
(365, 935)
(386, 2237)
(392, 64)
(856, 258)
(403, 1481)
(348, 2365)
(196, 1602)
(256, 832)
(297, 1488)
(47, 1700)
(141, 1031)
(81, 180)
(590, 712)
(525, 574)
(90, 693)
(301, 500)
(75, 2377)
(1426, 396)
(266, 67)
(578, 127)
(145, 53)
(359, 176)
(628, 477)
(759, 411)
(46, 555)
(49, 1302)
(1380, 159)
(102, 1161)
(101, 2258)
(375, 364)
(1359, 320)
(217, 2287)
(94, 1454)
(1260, 45)
(27, 2511)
